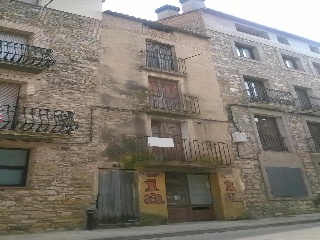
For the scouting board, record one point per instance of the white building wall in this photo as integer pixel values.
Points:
(87, 8)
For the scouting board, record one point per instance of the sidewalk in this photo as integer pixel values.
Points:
(181, 229)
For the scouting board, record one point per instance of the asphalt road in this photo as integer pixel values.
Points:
(295, 232)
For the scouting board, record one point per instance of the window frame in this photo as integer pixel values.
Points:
(297, 60)
(251, 31)
(254, 48)
(314, 49)
(174, 68)
(283, 40)
(312, 63)
(25, 168)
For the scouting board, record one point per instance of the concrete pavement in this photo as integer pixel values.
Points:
(182, 229)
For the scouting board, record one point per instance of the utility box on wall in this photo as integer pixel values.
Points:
(239, 137)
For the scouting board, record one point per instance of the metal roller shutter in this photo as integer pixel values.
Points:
(33, 2)
(13, 38)
(8, 97)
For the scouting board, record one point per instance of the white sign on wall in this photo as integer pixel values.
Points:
(160, 142)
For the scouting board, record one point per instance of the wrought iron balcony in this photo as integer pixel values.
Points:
(309, 104)
(270, 96)
(173, 103)
(272, 143)
(165, 61)
(314, 144)
(28, 119)
(25, 56)
(188, 151)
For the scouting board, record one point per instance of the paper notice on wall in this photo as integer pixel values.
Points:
(160, 142)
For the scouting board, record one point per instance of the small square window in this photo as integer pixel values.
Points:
(291, 62)
(316, 67)
(283, 40)
(314, 49)
(251, 31)
(245, 52)
(13, 167)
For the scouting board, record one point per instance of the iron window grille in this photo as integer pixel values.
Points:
(257, 92)
(160, 56)
(269, 134)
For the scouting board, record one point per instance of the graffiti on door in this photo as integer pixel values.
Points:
(153, 196)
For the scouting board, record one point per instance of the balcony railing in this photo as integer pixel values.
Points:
(162, 61)
(270, 96)
(309, 103)
(25, 55)
(314, 144)
(28, 119)
(176, 103)
(272, 143)
(188, 151)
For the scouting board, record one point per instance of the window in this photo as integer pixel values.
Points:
(160, 56)
(314, 49)
(252, 31)
(314, 129)
(256, 90)
(269, 134)
(303, 98)
(286, 182)
(316, 67)
(13, 167)
(291, 62)
(283, 40)
(245, 52)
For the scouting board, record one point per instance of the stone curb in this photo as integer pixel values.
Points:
(217, 230)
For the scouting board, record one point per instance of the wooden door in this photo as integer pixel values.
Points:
(118, 197)
(168, 130)
(164, 94)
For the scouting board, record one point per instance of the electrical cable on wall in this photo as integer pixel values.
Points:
(231, 118)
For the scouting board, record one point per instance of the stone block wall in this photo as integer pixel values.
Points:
(229, 71)
(61, 174)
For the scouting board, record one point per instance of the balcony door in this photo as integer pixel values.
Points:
(304, 98)
(256, 90)
(168, 130)
(314, 129)
(269, 134)
(8, 100)
(164, 94)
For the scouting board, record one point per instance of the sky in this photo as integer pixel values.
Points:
(293, 16)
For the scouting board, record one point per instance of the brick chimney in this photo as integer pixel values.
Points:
(167, 11)
(190, 5)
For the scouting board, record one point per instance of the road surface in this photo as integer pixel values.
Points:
(294, 232)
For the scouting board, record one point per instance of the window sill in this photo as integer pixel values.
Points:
(15, 188)
(249, 60)
(304, 198)
(163, 71)
(295, 70)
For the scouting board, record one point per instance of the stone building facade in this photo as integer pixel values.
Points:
(269, 84)
(46, 98)
(95, 118)
(163, 127)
